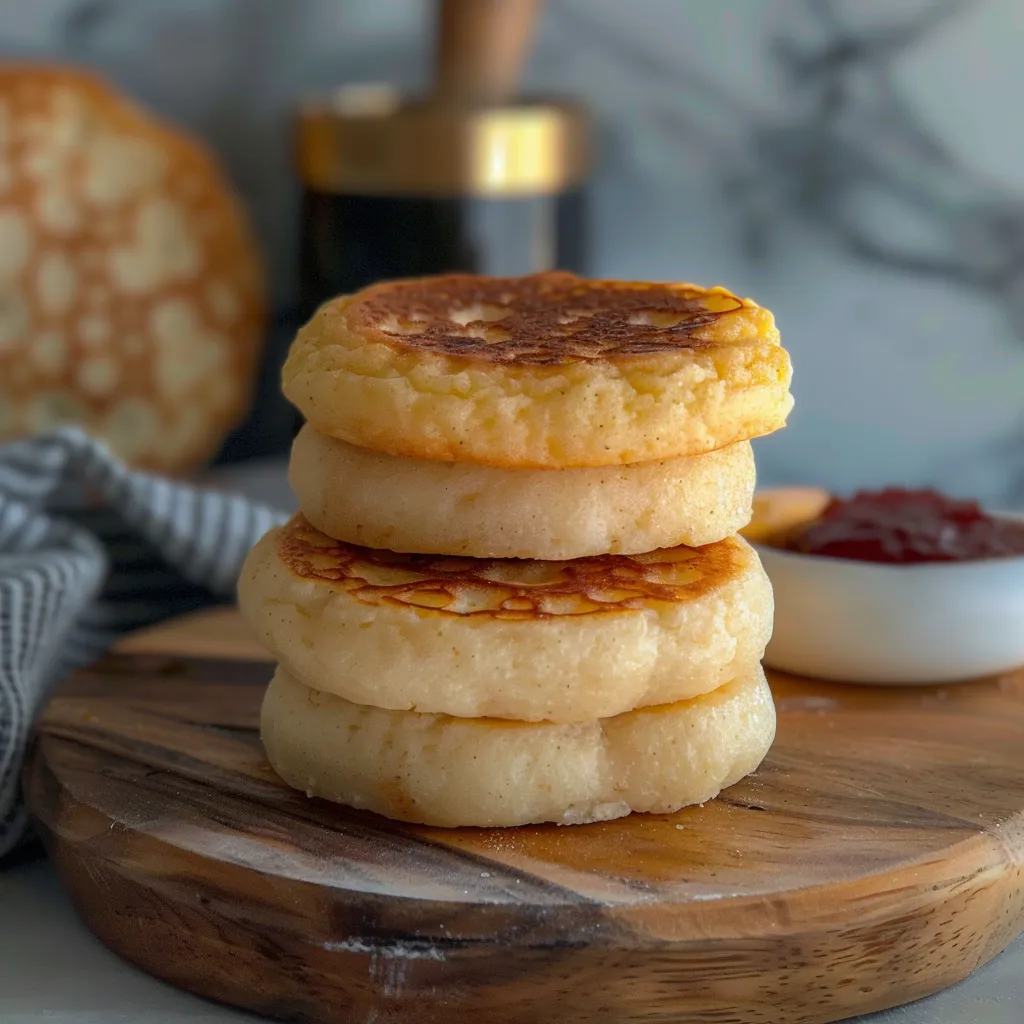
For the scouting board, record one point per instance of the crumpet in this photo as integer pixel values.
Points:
(132, 294)
(559, 641)
(547, 371)
(386, 501)
(453, 772)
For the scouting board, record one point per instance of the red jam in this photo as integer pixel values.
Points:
(902, 527)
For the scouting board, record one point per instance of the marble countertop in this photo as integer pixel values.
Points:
(52, 970)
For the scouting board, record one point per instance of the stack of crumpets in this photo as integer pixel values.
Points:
(515, 592)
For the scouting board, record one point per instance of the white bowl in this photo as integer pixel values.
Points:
(863, 622)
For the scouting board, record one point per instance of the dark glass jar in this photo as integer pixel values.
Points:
(396, 188)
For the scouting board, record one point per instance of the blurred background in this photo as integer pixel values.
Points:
(857, 167)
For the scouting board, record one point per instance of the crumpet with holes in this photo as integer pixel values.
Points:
(131, 293)
(548, 371)
(457, 508)
(450, 772)
(531, 640)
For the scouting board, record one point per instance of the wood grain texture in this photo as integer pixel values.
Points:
(876, 857)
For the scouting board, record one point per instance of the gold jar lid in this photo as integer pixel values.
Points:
(368, 140)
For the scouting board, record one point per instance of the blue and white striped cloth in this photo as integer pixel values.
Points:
(89, 549)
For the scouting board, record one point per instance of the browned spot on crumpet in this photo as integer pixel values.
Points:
(394, 793)
(507, 588)
(543, 319)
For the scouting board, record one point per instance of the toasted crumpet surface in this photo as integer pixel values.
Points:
(520, 639)
(455, 772)
(386, 501)
(131, 294)
(546, 371)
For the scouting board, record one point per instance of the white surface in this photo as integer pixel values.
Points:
(52, 970)
(867, 623)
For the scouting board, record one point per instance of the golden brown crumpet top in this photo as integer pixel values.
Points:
(547, 319)
(510, 589)
(546, 371)
(131, 292)
(529, 640)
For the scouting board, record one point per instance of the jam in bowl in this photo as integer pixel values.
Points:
(892, 586)
(898, 527)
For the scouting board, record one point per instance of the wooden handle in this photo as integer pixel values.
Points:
(480, 48)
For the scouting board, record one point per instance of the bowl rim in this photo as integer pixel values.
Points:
(901, 568)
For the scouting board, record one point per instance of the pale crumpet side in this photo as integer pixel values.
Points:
(453, 772)
(456, 508)
(532, 640)
(547, 371)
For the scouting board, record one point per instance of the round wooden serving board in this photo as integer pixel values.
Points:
(875, 857)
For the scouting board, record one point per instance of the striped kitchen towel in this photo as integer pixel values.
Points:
(89, 549)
